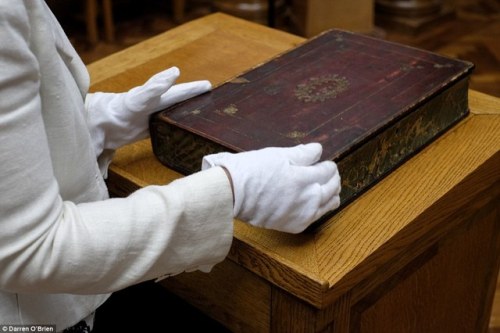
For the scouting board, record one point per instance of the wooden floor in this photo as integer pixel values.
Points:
(473, 34)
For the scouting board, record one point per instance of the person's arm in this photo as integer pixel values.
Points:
(53, 246)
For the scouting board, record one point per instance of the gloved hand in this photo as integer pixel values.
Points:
(280, 188)
(116, 119)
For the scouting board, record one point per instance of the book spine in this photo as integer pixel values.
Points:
(178, 149)
(376, 158)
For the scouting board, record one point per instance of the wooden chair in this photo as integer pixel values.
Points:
(91, 13)
(178, 9)
(91, 21)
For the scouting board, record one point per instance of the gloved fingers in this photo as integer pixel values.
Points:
(148, 96)
(333, 203)
(330, 190)
(319, 200)
(304, 154)
(183, 91)
(320, 173)
(329, 196)
(171, 74)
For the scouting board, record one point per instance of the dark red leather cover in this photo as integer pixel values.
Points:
(341, 89)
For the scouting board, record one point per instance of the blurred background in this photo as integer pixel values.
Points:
(465, 29)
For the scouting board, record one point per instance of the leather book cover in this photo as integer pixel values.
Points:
(372, 104)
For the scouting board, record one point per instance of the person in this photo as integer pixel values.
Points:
(64, 244)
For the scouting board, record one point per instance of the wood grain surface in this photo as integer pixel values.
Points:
(429, 203)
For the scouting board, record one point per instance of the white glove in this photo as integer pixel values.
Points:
(117, 119)
(280, 188)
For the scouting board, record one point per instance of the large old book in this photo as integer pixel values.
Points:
(372, 104)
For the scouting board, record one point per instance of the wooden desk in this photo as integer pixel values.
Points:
(419, 252)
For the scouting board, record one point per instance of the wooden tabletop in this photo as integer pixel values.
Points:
(394, 218)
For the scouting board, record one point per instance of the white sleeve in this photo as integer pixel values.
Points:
(54, 246)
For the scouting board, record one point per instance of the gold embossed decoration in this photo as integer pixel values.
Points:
(229, 110)
(319, 89)
(296, 135)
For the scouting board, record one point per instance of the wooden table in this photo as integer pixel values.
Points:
(419, 252)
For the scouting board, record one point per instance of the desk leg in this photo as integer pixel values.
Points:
(289, 314)
(230, 294)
